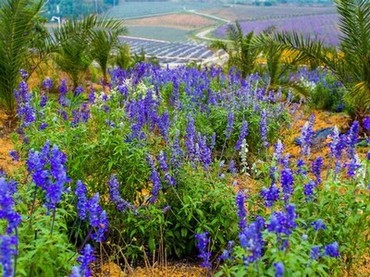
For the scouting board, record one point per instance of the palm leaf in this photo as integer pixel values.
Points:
(17, 21)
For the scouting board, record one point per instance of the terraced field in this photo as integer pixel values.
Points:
(170, 52)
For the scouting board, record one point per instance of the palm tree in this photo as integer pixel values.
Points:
(240, 48)
(79, 44)
(103, 42)
(351, 64)
(17, 24)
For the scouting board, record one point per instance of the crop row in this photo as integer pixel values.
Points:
(169, 52)
(323, 27)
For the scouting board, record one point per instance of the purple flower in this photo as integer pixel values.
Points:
(190, 138)
(230, 123)
(242, 135)
(43, 100)
(155, 179)
(115, 197)
(82, 202)
(316, 169)
(75, 272)
(7, 252)
(202, 246)
(315, 252)
(47, 83)
(176, 151)
(227, 253)
(92, 97)
(63, 93)
(98, 218)
(24, 74)
(283, 222)
(353, 164)
(366, 123)
(263, 128)
(332, 250)
(279, 269)
(204, 154)
(164, 125)
(242, 213)
(49, 172)
(14, 155)
(306, 136)
(279, 148)
(86, 259)
(318, 225)
(287, 181)
(251, 239)
(7, 205)
(78, 91)
(270, 195)
(301, 170)
(308, 190)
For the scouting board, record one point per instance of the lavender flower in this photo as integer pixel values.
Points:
(301, 170)
(85, 259)
(176, 151)
(366, 123)
(279, 148)
(270, 195)
(287, 181)
(263, 128)
(24, 74)
(75, 272)
(164, 125)
(308, 190)
(318, 225)
(43, 100)
(82, 201)
(242, 213)
(190, 138)
(252, 240)
(353, 164)
(14, 155)
(155, 179)
(202, 246)
(279, 269)
(315, 252)
(49, 172)
(7, 252)
(227, 253)
(283, 222)
(230, 123)
(63, 93)
(115, 197)
(306, 137)
(78, 91)
(242, 135)
(7, 205)
(332, 250)
(316, 169)
(98, 218)
(47, 83)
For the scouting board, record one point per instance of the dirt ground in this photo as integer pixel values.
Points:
(179, 21)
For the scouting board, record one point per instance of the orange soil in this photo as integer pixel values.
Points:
(180, 21)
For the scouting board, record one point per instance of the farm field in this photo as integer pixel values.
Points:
(323, 27)
(131, 10)
(185, 21)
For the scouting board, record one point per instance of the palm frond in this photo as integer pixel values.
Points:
(17, 20)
